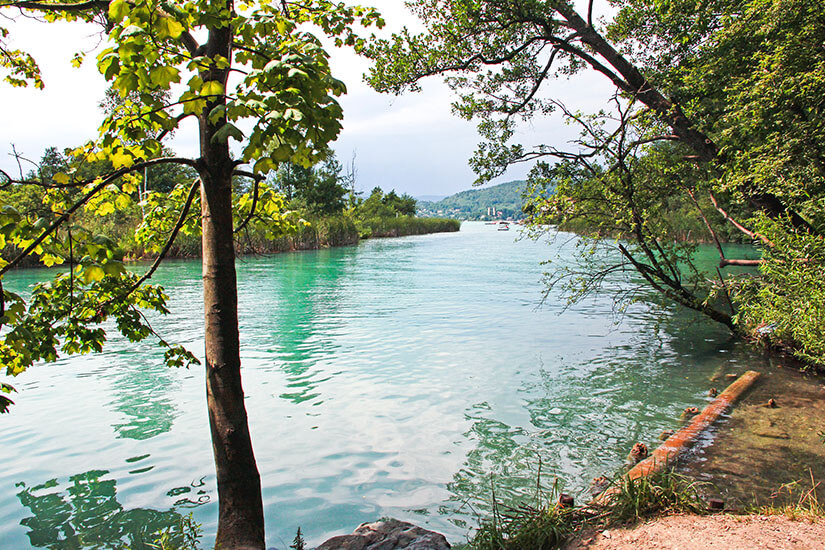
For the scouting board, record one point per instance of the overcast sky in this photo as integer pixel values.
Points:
(410, 143)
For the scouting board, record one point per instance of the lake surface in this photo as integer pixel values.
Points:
(401, 377)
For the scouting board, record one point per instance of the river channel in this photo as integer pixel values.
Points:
(400, 377)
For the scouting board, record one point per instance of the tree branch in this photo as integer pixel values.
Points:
(693, 304)
(83, 200)
(752, 234)
(70, 7)
(252, 208)
(745, 263)
(727, 294)
(169, 242)
(710, 227)
(536, 85)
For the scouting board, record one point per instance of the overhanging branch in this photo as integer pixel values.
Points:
(86, 198)
(752, 234)
(169, 241)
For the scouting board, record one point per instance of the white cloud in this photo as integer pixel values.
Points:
(65, 113)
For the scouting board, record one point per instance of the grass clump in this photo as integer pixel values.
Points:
(798, 502)
(527, 528)
(185, 535)
(662, 493)
(548, 526)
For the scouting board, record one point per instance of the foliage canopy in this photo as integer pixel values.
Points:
(714, 133)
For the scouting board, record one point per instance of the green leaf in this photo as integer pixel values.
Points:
(282, 153)
(163, 76)
(169, 28)
(121, 159)
(118, 10)
(125, 83)
(217, 113)
(293, 114)
(131, 30)
(225, 132)
(93, 273)
(109, 65)
(212, 88)
(114, 267)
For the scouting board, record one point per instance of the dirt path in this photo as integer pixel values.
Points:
(719, 532)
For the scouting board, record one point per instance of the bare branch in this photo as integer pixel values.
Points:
(254, 202)
(686, 300)
(744, 263)
(653, 139)
(18, 157)
(707, 224)
(590, 60)
(178, 120)
(737, 225)
(536, 85)
(725, 290)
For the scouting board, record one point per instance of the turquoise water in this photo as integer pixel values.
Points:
(401, 377)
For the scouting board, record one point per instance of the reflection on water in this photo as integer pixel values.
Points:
(144, 395)
(504, 462)
(301, 330)
(396, 378)
(86, 514)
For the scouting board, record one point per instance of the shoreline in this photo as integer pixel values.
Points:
(317, 236)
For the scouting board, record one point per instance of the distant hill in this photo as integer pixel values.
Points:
(500, 201)
(430, 198)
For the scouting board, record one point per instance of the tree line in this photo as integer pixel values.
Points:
(319, 197)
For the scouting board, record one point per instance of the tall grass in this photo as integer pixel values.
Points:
(661, 493)
(548, 525)
(320, 233)
(800, 502)
(405, 225)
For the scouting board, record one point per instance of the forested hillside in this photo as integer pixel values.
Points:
(478, 203)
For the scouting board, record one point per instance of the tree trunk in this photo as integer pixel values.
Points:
(240, 520)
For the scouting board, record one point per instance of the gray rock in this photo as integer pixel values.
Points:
(388, 534)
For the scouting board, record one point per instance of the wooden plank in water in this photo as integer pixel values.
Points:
(667, 453)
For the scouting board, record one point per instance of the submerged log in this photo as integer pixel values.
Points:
(668, 452)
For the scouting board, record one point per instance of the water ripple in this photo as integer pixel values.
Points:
(401, 377)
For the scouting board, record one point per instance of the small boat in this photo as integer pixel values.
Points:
(504, 226)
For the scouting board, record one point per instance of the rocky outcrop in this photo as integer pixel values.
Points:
(388, 534)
